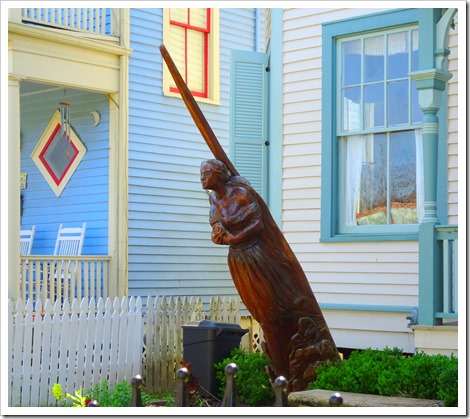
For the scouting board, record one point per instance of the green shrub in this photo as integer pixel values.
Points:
(253, 385)
(390, 373)
(448, 385)
(119, 397)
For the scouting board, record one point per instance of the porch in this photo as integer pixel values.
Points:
(78, 51)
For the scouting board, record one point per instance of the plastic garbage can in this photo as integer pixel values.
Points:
(206, 343)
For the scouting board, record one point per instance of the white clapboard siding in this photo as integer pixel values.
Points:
(452, 126)
(76, 345)
(372, 329)
(341, 274)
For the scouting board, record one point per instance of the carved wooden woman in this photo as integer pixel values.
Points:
(266, 273)
(268, 277)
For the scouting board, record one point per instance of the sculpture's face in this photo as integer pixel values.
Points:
(209, 177)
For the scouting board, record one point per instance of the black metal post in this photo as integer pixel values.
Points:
(231, 394)
(136, 399)
(182, 377)
(336, 400)
(280, 391)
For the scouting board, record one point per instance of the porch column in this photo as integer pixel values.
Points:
(13, 186)
(431, 85)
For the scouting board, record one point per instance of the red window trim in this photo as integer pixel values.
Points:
(206, 31)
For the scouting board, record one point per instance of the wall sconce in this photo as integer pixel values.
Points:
(96, 118)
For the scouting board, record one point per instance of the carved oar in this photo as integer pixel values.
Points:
(196, 113)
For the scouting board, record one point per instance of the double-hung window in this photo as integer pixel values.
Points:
(376, 144)
(191, 37)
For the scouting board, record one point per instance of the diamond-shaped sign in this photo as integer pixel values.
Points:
(56, 156)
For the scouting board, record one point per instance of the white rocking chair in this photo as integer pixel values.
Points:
(69, 243)
(26, 240)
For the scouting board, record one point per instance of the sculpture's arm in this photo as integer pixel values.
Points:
(249, 221)
(232, 238)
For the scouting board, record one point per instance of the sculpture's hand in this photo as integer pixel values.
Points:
(218, 234)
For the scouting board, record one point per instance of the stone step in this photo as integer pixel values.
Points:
(322, 397)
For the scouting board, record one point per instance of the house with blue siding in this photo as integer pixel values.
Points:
(343, 119)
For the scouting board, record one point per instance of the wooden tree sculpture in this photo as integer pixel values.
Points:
(265, 270)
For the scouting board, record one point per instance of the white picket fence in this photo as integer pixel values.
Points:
(163, 349)
(77, 345)
(83, 343)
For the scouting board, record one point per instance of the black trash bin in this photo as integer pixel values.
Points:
(206, 343)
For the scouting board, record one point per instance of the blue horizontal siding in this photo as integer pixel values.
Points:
(85, 198)
(170, 251)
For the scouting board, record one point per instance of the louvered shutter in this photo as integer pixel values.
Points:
(248, 100)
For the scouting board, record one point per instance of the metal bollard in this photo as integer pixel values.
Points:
(280, 391)
(136, 399)
(182, 378)
(231, 394)
(336, 400)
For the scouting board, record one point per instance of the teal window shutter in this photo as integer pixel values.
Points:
(248, 102)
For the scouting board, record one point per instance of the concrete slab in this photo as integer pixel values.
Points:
(322, 397)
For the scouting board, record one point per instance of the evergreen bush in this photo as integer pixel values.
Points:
(391, 373)
(253, 384)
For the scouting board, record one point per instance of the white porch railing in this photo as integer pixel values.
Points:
(96, 21)
(59, 277)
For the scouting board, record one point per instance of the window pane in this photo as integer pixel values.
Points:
(59, 155)
(397, 102)
(198, 18)
(351, 101)
(351, 62)
(374, 59)
(177, 42)
(372, 202)
(179, 15)
(414, 50)
(416, 111)
(403, 178)
(374, 105)
(196, 61)
(398, 55)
